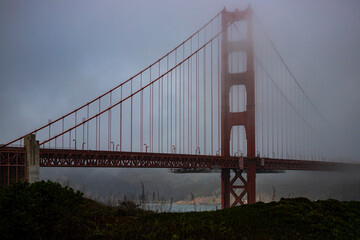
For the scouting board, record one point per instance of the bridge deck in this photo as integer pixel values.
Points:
(91, 158)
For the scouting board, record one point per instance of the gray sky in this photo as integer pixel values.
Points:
(57, 55)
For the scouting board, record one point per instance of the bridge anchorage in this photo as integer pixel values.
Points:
(223, 100)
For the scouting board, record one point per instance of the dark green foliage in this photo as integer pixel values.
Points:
(39, 210)
(45, 210)
(288, 219)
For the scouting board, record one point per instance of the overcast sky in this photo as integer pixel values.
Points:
(57, 55)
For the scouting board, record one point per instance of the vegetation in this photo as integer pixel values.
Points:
(46, 210)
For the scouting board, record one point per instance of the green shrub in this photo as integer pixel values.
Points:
(46, 210)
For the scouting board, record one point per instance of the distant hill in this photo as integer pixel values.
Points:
(46, 210)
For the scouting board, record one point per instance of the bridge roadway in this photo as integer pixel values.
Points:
(11, 156)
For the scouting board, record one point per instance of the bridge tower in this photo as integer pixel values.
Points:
(245, 118)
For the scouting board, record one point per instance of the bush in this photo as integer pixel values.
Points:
(46, 210)
(40, 210)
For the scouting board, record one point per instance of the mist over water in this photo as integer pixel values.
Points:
(105, 183)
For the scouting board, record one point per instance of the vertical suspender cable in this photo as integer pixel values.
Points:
(50, 131)
(282, 116)
(263, 113)
(219, 93)
(131, 115)
(171, 109)
(150, 107)
(256, 114)
(289, 145)
(162, 116)
(277, 123)
(75, 129)
(191, 97)
(180, 100)
(238, 92)
(244, 131)
(183, 102)
(99, 123)
(152, 117)
(299, 127)
(205, 95)
(176, 132)
(272, 68)
(273, 119)
(212, 99)
(141, 116)
(87, 128)
(267, 117)
(159, 110)
(120, 141)
(167, 104)
(109, 125)
(188, 107)
(196, 100)
(62, 123)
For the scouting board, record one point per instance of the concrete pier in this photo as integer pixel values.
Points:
(32, 158)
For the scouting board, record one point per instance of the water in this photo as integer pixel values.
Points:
(166, 207)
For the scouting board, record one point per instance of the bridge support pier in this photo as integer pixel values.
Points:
(230, 186)
(251, 182)
(32, 158)
(225, 188)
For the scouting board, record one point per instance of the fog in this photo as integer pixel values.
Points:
(55, 56)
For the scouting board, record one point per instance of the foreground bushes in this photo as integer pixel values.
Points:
(46, 210)
(296, 218)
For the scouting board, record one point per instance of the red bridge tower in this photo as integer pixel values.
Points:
(246, 118)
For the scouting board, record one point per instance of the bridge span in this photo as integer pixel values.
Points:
(224, 92)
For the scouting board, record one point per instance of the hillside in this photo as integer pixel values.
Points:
(46, 210)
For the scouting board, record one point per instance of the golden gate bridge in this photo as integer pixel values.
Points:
(222, 99)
